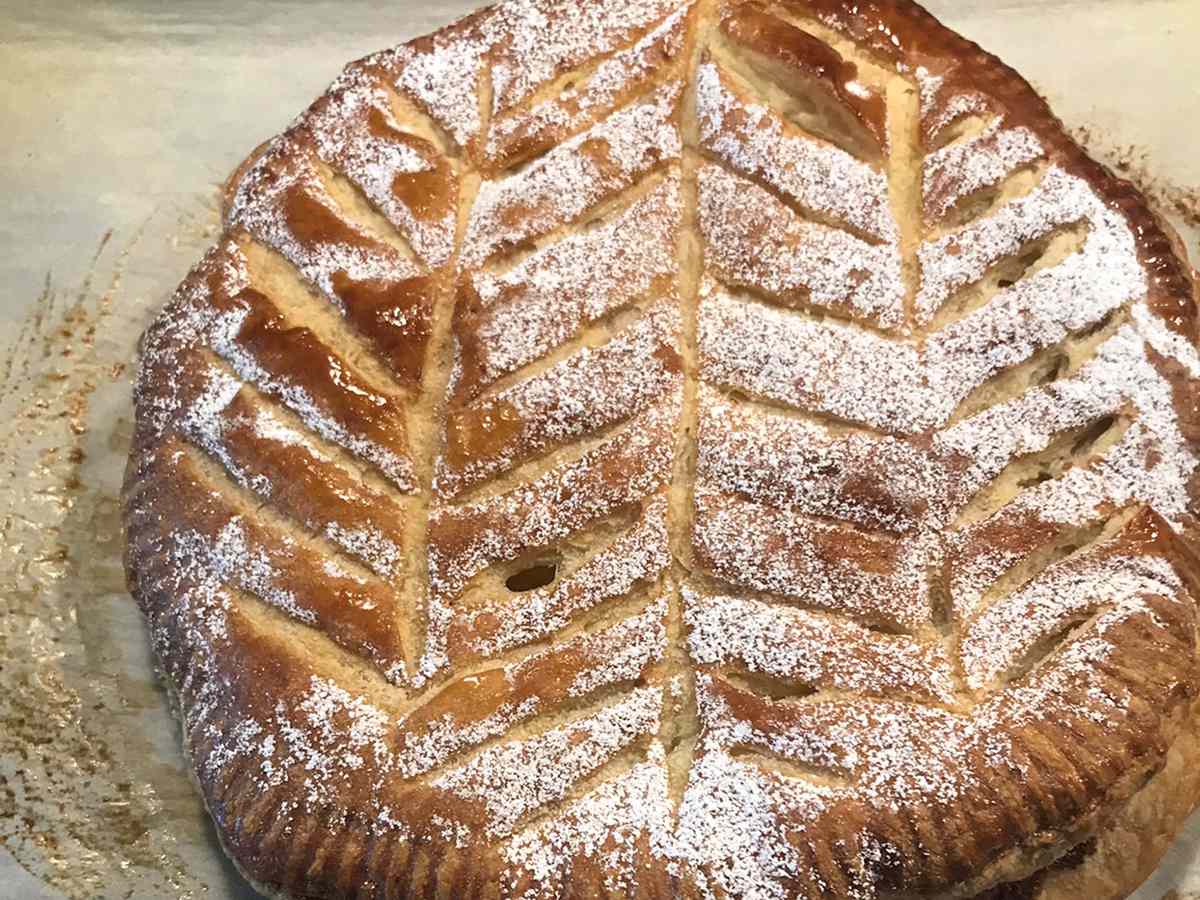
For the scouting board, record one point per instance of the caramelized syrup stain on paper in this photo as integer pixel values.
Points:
(92, 800)
(1136, 163)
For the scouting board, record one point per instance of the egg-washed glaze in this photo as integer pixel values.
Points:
(658, 449)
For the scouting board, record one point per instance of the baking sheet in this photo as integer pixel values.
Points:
(118, 120)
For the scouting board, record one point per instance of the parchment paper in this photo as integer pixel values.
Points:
(118, 118)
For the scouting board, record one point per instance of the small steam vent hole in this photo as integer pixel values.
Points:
(533, 576)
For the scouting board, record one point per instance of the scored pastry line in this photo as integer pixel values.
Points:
(226, 349)
(428, 442)
(678, 730)
(904, 160)
(596, 87)
(339, 561)
(818, 179)
(276, 419)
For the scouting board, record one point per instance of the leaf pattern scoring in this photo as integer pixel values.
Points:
(670, 448)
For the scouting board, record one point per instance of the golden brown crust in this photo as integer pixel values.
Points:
(792, 53)
(913, 618)
(1126, 849)
(229, 186)
(921, 40)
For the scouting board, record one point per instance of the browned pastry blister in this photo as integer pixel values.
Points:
(660, 449)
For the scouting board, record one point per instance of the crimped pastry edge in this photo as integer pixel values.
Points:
(1128, 848)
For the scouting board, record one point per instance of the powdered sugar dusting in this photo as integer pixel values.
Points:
(964, 168)
(1062, 596)
(538, 514)
(541, 301)
(818, 176)
(541, 43)
(574, 176)
(369, 544)
(526, 42)
(1107, 266)
(321, 746)
(812, 650)
(809, 363)
(878, 482)
(313, 411)
(614, 824)
(1120, 374)
(939, 110)
(212, 423)
(232, 558)
(757, 242)
(592, 389)
(513, 780)
(1167, 342)
(344, 138)
(635, 643)
(444, 78)
(543, 512)
(601, 90)
(637, 556)
(813, 561)
(729, 825)
(259, 206)
(1152, 463)
(434, 733)
(777, 355)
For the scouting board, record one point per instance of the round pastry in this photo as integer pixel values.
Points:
(648, 449)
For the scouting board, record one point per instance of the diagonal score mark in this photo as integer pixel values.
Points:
(569, 556)
(1046, 366)
(1068, 449)
(269, 513)
(276, 559)
(1070, 630)
(801, 96)
(530, 778)
(417, 122)
(1039, 254)
(803, 213)
(979, 204)
(553, 460)
(771, 687)
(834, 424)
(781, 766)
(485, 703)
(610, 774)
(1065, 544)
(594, 217)
(281, 281)
(362, 469)
(271, 624)
(805, 310)
(961, 129)
(358, 209)
(568, 104)
(330, 399)
(715, 584)
(593, 335)
(421, 764)
(617, 153)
